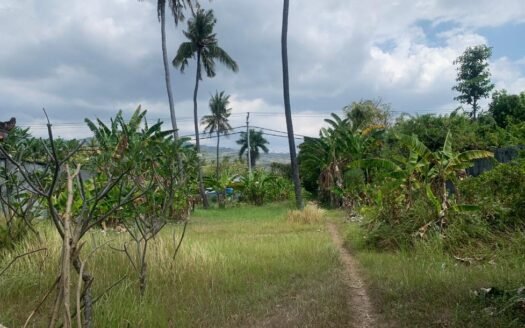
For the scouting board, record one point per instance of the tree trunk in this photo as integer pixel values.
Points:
(221, 198)
(143, 269)
(474, 108)
(253, 159)
(87, 298)
(197, 139)
(217, 171)
(287, 108)
(168, 83)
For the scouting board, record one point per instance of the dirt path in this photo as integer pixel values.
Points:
(359, 303)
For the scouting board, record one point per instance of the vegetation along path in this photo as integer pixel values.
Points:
(360, 305)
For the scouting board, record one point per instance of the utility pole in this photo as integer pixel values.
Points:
(248, 141)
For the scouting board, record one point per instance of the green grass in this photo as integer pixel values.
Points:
(424, 287)
(239, 267)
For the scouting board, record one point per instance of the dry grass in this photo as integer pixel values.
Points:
(242, 267)
(311, 214)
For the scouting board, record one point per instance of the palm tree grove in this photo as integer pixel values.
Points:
(343, 164)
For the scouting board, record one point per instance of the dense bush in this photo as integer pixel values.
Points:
(496, 210)
(261, 187)
(392, 225)
(500, 195)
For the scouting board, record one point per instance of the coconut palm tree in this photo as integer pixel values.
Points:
(257, 143)
(176, 7)
(203, 46)
(217, 122)
(287, 109)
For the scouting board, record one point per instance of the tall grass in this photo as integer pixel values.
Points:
(241, 267)
(426, 287)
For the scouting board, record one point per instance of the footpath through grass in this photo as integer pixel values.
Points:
(240, 267)
(424, 287)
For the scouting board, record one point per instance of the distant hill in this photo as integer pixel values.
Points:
(209, 154)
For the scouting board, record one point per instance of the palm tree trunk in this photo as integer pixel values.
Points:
(287, 108)
(197, 138)
(253, 159)
(168, 83)
(474, 108)
(217, 171)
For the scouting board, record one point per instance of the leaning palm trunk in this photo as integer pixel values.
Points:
(197, 138)
(287, 109)
(168, 83)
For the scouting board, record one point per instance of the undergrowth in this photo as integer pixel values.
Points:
(239, 267)
(436, 282)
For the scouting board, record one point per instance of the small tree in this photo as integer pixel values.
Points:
(368, 113)
(218, 121)
(257, 141)
(473, 76)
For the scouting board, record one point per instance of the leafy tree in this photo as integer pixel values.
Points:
(368, 113)
(218, 121)
(473, 76)
(204, 46)
(505, 107)
(257, 143)
(468, 134)
(287, 108)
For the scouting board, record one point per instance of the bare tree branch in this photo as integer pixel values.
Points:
(20, 256)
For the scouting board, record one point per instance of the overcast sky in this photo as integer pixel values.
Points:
(81, 59)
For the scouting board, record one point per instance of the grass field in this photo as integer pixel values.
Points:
(240, 267)
(427, 288)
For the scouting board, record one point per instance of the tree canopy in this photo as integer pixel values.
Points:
(473, 76)
(505, 108)
(257, 143)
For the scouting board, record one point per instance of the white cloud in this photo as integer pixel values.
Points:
(507, 74)
(415, 66)
(90, 58)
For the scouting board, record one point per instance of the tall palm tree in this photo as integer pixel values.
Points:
(257, 141)
(204, 46)
(176, 7)
(287, 109)
(218, 120)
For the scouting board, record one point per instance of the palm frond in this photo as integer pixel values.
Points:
(218, 53)
(186, 51)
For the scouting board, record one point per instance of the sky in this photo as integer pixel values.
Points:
(88, 59)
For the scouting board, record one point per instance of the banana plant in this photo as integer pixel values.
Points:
(219, 183)
(438, 168)
(330, 154)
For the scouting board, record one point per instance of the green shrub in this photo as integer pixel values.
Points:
(392, 225)
(500, 195)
